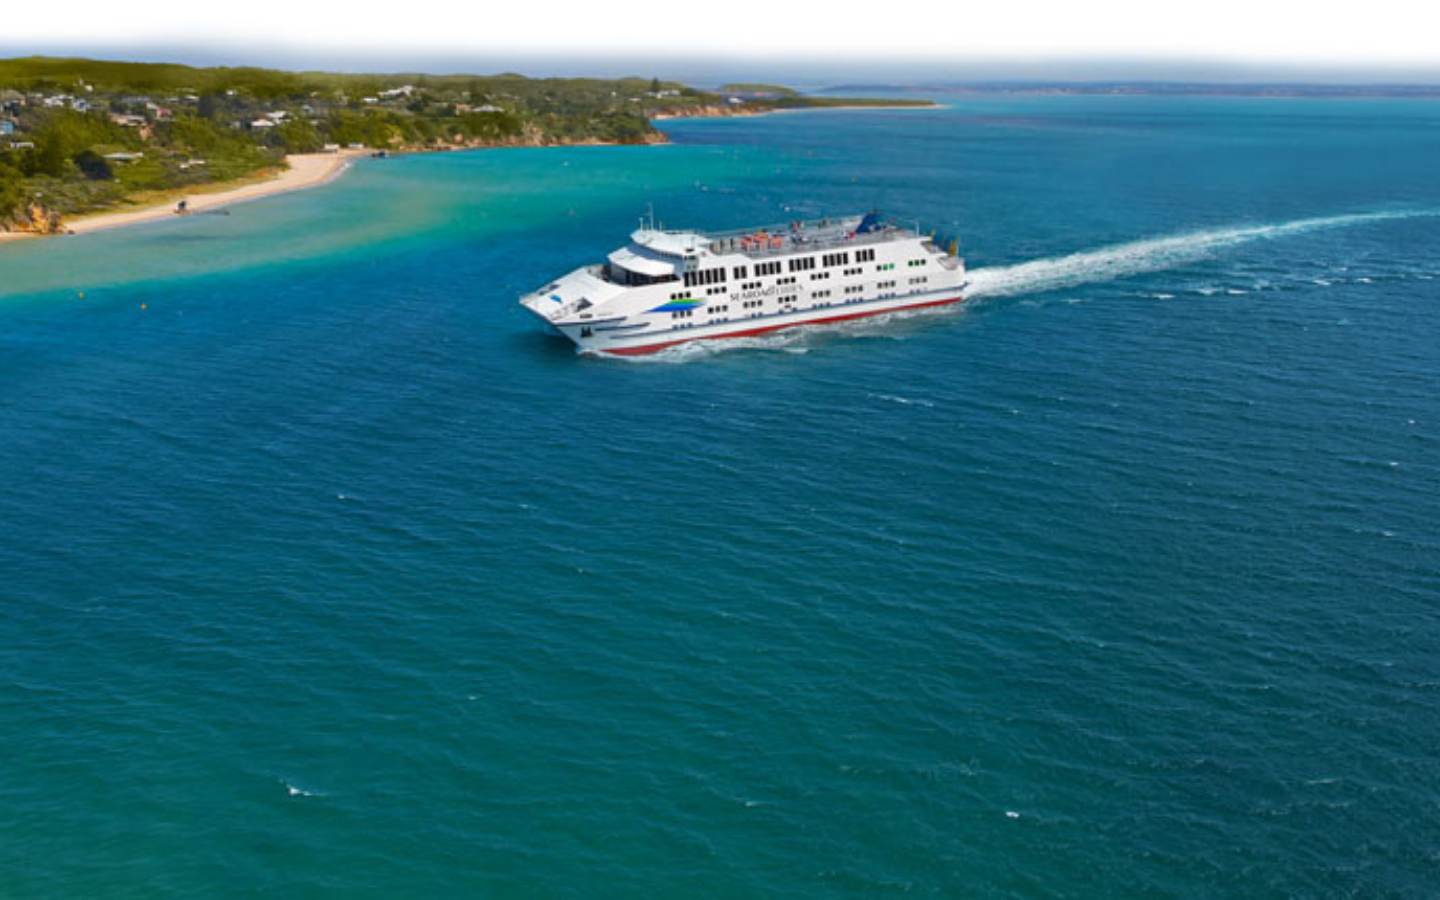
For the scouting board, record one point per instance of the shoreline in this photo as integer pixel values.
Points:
(305, 170)
(740, 114)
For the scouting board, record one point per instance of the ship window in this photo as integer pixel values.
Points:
(740, 272)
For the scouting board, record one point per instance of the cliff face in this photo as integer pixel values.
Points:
(34, 219)
(708, 112)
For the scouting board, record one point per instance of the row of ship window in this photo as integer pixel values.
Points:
(798, 264)
(715, 312)
(818, 276)
(705, 276)
(755, 285)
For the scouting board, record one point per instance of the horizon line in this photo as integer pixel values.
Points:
(896, 72)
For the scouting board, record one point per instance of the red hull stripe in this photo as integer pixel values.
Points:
(651, 348)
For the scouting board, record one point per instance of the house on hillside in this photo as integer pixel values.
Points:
(7, 126)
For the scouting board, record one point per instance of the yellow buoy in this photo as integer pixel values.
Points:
(142, 306)
(81, 294)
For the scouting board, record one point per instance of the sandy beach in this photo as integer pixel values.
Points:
(305, 170)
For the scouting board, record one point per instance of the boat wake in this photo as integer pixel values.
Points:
(1149, 255)
(1110, 263)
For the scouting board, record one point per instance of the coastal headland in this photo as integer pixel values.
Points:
(89, 144)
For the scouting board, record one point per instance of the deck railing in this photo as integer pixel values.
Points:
(821, 234)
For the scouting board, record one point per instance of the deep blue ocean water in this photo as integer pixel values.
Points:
(323, 572)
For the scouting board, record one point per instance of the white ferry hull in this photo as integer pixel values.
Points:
(641, 344)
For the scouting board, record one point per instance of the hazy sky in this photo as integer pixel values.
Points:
(1375, 40)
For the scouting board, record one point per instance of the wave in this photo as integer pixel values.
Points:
(294, 791)
(1149, 255)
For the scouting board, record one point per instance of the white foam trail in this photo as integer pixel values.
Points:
(1151, 255)
(294, 791)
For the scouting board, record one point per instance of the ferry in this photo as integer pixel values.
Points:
(671, 287)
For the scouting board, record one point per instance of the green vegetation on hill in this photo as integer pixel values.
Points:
(774, 90)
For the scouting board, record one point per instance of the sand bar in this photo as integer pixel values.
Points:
(305, 170)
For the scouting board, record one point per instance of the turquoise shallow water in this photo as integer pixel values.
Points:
(323, 572)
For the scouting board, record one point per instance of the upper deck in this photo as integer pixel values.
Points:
(799, 236)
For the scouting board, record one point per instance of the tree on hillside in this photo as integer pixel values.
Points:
(94, 166)
(48, 157)
(12, 192)
(298, 136)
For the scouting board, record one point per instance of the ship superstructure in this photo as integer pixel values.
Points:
(670, 287)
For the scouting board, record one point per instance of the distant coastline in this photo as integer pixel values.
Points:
(1154, 88)
(712, 112)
